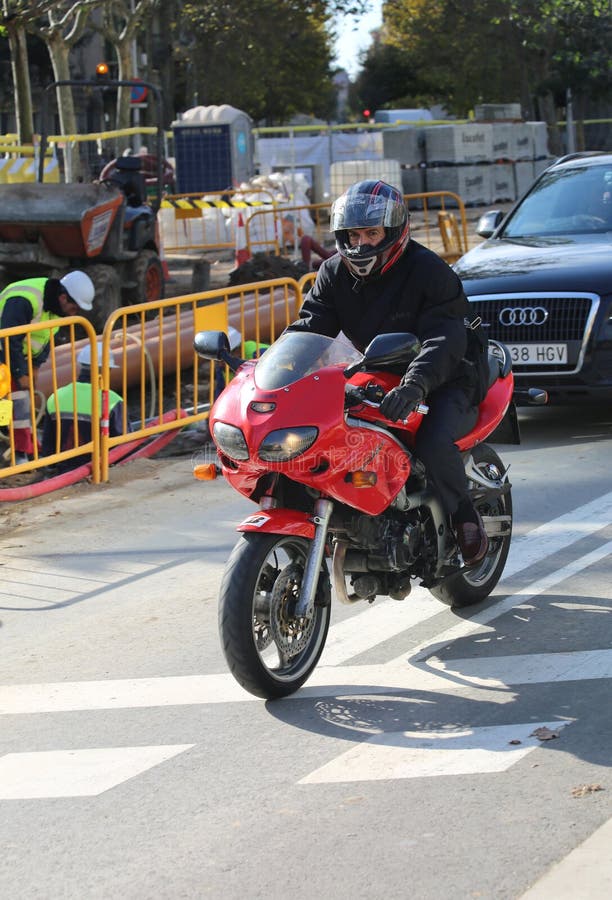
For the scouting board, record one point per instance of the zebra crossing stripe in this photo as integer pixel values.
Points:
(453, 676)
(77, 773)
(427, 754)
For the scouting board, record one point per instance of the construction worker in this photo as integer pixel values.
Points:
(70, 407)
(24, 302)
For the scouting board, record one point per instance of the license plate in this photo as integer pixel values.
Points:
(538, 354)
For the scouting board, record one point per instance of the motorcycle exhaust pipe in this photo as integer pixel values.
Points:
(338, 578)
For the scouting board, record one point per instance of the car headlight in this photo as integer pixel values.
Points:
(230, 441)
(287, 443)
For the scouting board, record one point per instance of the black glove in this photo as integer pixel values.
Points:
(401, 401)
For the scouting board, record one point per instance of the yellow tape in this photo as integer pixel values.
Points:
(186, 204)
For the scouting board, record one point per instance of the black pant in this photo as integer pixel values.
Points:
(450, 416)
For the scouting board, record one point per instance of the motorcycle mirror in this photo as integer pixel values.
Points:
(211, 345)
(388, 351)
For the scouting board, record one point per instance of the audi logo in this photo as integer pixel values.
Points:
(523, 315)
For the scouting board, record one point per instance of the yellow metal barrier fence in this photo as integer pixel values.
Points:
(279, 230)
(170, 386)
(425, 227)
(156, 371)
(60, 368)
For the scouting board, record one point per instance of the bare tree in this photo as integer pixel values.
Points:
(16, 14)
(121, 20)
(60, 25)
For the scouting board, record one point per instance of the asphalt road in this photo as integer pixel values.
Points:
(411, 765)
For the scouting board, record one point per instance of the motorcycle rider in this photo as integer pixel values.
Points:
(381, 281)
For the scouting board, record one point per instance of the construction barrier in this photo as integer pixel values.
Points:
(280, 230)
(205, 222)
(164, 383)
(32, 402)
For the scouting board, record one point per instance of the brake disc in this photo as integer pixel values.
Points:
(290, 634)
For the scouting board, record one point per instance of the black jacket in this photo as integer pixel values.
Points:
(420, 294)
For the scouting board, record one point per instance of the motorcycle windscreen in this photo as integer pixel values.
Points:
(297, 354)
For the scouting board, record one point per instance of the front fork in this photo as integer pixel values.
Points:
(322, 514)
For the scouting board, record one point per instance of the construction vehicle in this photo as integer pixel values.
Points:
(108, 228)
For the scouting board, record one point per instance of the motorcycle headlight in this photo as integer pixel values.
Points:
(287, 443)
(230, 441)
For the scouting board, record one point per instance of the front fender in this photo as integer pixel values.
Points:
(279, 521)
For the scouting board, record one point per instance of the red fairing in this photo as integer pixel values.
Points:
(490, 412)
(353, 455)
(279, 521)
(341, 448)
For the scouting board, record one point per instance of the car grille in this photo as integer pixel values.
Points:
(569, 319)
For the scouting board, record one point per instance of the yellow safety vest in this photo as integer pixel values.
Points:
(33, 289)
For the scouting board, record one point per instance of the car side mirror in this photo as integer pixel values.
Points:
(489, 222)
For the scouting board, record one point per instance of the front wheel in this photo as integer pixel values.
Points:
(475, 584)
(269, 651)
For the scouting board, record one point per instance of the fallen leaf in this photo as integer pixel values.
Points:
(585, 789)
(544, 734)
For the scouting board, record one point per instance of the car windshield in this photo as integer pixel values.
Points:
(296, 354)
(576, 200)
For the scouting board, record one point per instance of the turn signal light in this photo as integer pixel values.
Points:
(362, 479)
(205, 471)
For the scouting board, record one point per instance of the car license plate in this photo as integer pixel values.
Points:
(538, 354)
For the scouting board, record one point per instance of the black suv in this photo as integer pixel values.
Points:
(542, 282)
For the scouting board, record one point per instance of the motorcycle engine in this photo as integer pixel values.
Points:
(383, 543)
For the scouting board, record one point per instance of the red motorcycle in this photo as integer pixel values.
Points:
(299, 432)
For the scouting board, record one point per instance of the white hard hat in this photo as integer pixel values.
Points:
(235, 338)
(84, 357)
(79, 288)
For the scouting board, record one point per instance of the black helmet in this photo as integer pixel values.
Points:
(370, 204)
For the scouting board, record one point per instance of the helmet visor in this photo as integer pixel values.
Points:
(367, 211)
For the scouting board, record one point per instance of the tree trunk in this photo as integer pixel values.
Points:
(126, 71)
(21, 83)
(59, 53)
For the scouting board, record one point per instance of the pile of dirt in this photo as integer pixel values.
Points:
(266, 266)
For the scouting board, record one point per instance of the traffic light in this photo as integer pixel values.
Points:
(366, 114)
(102, 71)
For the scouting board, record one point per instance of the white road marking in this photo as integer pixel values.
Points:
(584, 872)
(68, 773)
(538, 668)
(77, 773)
(436, 676)
(558, 534)
(417, 754)
(376, 624)
(516, 599)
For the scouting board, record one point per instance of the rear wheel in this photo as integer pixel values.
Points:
(269, 650)
(107, 297)
(475, 584)
(148, 275)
